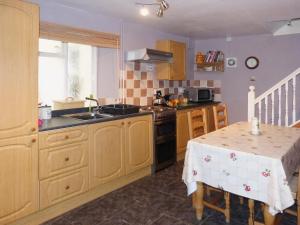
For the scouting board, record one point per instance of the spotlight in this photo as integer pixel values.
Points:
(164, 5)
(144, 11)
(160, 12)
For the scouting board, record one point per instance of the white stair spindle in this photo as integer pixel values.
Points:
(272, 103)
(266, 109)
(294, 100)
(279, 106)
(286, 104)
(251, 103)
(259, 111)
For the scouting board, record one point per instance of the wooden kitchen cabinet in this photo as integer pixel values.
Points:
(182, 129)
(107, 146)
(18, 177)
(139, 143)
(19, 28)
(177, 69)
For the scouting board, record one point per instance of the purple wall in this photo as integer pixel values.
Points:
(279, 56)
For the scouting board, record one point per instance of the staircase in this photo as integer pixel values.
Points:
(280, 105)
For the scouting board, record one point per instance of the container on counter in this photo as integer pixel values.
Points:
(45, 112)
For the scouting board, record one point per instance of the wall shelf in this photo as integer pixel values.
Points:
(211, 62)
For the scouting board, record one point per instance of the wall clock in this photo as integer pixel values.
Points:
(252, 62)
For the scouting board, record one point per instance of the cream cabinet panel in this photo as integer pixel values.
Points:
(19, 31)
(18, 177)
(57, 160)
(64, 136)
(139, 143)
(60, 188)
(106, 152)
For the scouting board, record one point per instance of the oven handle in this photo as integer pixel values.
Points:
(163, 139)
(164, 121)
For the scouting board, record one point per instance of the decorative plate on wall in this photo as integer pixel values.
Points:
(231, 62)
(252, 62)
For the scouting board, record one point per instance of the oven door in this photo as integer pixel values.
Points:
(165, 153)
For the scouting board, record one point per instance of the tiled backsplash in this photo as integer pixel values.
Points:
(139, 86)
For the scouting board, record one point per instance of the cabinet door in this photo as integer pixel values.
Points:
(106, 151)
(178, 66)
(139, 146)
(182, 131)
(19, 22)
(18, 177)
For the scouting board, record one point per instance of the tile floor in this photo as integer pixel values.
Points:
(155, 200)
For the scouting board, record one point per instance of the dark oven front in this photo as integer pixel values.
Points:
(165, 142)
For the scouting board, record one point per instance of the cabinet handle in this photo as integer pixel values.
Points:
(67, 137)
(33, 140)
(122, 123)
(67, 187)
(33, 129)
(67, 159)
(129, 123)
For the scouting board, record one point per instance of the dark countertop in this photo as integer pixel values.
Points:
(195, 104)
(64, 122)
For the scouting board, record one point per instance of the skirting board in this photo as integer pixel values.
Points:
(60, 208)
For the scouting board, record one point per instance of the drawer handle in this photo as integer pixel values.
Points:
(33, 140)
(33, 129)
(129, 122)
(67, 137)
(67, 187)
(122, 123)
(67, 159)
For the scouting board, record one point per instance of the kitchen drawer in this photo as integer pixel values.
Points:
(62, 136)
(57, 160)
(60, 188)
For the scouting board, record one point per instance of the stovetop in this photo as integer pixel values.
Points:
(160, 112)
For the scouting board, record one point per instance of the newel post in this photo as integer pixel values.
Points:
(251, 104)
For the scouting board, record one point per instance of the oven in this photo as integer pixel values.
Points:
(164, 142)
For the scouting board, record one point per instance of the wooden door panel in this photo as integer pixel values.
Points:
(18, 177)
(107, 152)
(182, 127)
(139, 147)
(18, 68)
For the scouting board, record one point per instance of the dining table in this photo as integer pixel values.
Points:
(258, 167)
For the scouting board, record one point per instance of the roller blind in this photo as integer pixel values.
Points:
(78, 35)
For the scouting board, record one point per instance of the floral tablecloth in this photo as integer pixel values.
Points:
(256, 167)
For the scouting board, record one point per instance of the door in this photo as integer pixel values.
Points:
(182, 127)
(106, 151)
(178, 66)
(19, 23)
(139, 143)
(18, 177)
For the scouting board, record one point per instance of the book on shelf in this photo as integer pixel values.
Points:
(214, 56)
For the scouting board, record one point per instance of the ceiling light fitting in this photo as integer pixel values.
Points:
(162, 6)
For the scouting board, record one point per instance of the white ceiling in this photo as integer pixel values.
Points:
(199, 18)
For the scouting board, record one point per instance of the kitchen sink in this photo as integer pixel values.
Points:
(120, 109)
(89, 116)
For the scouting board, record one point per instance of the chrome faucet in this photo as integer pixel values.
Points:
(98, 108)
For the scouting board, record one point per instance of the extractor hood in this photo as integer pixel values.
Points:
(146, 55)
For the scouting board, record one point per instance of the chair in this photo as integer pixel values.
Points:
(220, 116)
(197, 121)
(295, 188)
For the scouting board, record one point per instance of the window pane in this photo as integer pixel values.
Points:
(50, 46)
(52, 83)
(80, 70)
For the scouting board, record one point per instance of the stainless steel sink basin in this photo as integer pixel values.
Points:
(88, 116)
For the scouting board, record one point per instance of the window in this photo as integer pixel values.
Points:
(66, 70)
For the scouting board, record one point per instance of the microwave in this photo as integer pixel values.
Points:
(200, 94)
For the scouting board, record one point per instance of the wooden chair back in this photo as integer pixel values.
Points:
(220, 116)
(197, 121)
